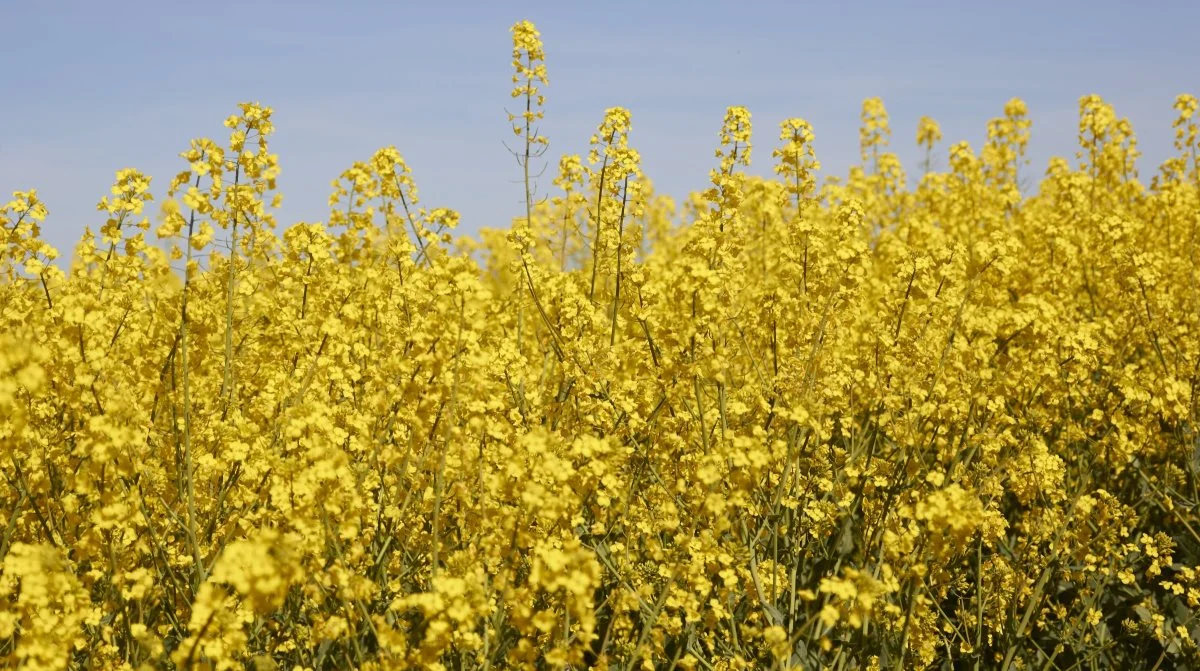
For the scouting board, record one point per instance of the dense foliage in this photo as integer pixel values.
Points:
(779, 425)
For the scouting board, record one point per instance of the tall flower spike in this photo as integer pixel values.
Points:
(530, 70)
(875, 131)
(735, 134)
(726, 191)
(929, 133)
(797, 159)
(618, 170)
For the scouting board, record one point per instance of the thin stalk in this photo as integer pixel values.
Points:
(188, 465)
(598, 221)
(612, 335)
(227, 375)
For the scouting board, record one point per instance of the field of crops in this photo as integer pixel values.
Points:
(783, 424)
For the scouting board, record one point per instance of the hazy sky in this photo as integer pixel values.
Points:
(92, 87)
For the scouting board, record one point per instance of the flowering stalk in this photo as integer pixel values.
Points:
(528, 61)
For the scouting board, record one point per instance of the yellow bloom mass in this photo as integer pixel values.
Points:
(787, 421)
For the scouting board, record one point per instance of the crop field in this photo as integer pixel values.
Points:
(905, 418)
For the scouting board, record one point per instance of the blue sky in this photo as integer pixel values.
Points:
(92, 87)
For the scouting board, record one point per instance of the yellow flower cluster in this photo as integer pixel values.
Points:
(779, 425)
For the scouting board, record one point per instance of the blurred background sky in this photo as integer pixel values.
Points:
(92, 87)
